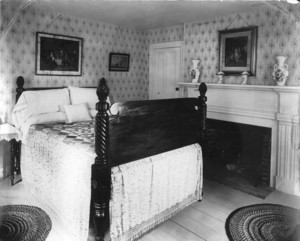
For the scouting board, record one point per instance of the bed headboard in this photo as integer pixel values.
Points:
(20, 87)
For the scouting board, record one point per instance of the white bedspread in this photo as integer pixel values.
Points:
(60, 175)
(151, 190)
(144, 193)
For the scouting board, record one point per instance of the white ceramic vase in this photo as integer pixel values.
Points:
(195, 70)
(220, 77)
(245, 75)
(280, 72)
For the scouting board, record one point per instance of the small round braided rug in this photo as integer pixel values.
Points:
(263, 222)
(23, 223)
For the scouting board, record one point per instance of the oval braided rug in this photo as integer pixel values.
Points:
(23, 223)
(263, 222)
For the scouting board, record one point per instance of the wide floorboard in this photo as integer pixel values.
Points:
(200, 221)
(205, 220)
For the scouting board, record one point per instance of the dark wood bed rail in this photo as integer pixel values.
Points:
(108, 150)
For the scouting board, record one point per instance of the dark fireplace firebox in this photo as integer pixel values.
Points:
(238, 150)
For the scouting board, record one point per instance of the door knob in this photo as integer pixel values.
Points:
(177, 89)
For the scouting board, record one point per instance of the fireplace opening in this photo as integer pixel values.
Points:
(238, 151)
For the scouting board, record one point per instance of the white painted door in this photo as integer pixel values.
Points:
(165, 70)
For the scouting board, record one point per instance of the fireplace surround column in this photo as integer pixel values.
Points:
(288, 168)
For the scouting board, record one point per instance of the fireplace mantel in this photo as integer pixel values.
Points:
(243, 87)
(274, 107)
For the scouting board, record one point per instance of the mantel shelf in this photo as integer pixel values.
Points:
(291, 89)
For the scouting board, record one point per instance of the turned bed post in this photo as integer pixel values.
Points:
(202, 112)
(20, 89)
(101, 169)
(15, 146)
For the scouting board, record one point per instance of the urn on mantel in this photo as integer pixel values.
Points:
(195, 71)
(245, 75)
(220, 77)
(280, 72)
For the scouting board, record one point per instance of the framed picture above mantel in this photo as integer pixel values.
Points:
(237, 50)
(58, 55)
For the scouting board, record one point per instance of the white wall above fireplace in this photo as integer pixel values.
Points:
(269, 106)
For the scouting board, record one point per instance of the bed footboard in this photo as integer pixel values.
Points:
(148, 121)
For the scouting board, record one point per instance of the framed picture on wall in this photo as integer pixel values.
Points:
(237, 50)
(58, 55)
(118, 62)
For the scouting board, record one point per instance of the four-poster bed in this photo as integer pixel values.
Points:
(154, 138)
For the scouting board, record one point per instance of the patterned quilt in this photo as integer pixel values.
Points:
(152, 189)
(80, 133)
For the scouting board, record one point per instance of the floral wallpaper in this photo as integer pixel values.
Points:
(278, 34)
(166, 34)
(18, 54)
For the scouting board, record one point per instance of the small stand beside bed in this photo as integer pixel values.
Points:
(148, 164)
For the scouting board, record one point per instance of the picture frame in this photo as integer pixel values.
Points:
(238, 50)
(119, 62)
(58, 55)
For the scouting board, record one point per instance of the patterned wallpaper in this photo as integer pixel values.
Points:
(278, 34)
(18, 54)
(166, 34)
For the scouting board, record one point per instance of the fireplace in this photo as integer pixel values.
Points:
(239, 150)
(273, 107)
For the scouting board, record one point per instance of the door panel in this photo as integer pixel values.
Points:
(164, 70)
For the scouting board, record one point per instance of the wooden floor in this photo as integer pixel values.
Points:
(201, 221)
(14, 195)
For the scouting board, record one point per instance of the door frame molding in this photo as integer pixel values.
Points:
(165, 45)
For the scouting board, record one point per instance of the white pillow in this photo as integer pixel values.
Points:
(48, 118)
(76, 113)
(46, 101)
(84, 95)
(38, 102)
(20, 114)
(93, 112)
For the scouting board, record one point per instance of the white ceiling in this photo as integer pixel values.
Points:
(143, 15)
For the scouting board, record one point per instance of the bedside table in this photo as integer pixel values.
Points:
(11, 134)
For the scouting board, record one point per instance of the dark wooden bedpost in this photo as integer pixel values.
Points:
(202, 109)
(15, 146)
(101, 169)
(202, 112)
(20, 89)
